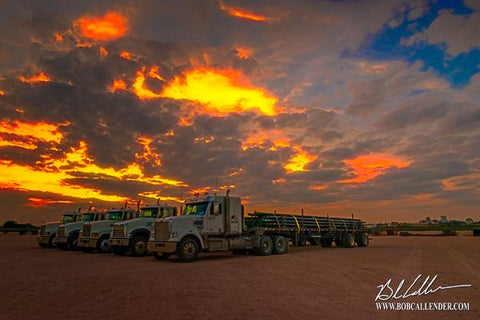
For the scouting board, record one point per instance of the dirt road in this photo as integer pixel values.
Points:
(306, 283)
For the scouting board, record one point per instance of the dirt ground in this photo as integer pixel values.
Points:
(306, 283)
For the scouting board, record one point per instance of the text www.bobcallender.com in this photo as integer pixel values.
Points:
(422, 306)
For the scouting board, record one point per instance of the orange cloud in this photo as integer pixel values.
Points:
(40, 77)
(126, 55)
(155, 195)
(299, 161)
(139, 88)
(103, 52)
(117, 84)
(370, 166)
(242, 14)
(58, 37)
(148, 154)
(221, 91)
(109, 27)
(37, 202)
(259, 138)
(34, 131)
(243, 52)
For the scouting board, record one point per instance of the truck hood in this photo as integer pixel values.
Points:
(52, 226)
(133, 224)
(102, 225)
(69, 227)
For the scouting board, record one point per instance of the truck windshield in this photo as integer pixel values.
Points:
(67, 218)
(148, 212)
(114, 215)
(198, 208)
(88, 216)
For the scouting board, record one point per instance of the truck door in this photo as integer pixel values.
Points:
(214, 218)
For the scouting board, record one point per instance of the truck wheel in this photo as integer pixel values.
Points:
(138, 246)
(280, 245)
(52, 242)
(327, 242)
(362, 240)
(102, 245)
(119, 251)
(301, 240)
(265, 246)
(72, 242)
(187, 250)
(349, 240)
(162, 256)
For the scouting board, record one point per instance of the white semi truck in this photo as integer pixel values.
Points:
(216, 223)
(68, 233)
(47, 236)
(94, 235)
(132, 235)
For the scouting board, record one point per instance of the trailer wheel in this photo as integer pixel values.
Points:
(187, 250)
(327, 242)
(102, 245)
(280, 245)
(119, 251)
(162, 256)
(301, 240)
(362, 240)
(72, 242)
(265, 246)
(349, 240)
(138, 246)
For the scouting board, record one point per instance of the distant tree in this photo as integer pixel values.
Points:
(10, 224)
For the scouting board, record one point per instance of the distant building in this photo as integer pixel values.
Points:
(443, 219)
(469, 221)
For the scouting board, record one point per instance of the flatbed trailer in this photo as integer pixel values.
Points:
(315, 229)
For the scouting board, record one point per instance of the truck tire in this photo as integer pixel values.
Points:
(349, 241)
(362, 240)
(187, 250)
(119, 251)
(162, 256)
(102, 245)
(72, 242)
(265, 246)
(138, 246)
(52, 242)
(326, 242)
(280, 245)
(301, 240)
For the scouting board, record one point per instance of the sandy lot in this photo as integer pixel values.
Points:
(306, 283)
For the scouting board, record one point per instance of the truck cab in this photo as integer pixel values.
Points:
(68, 233)
(210, 223)
(132, 235)
(47, 236)
(94, 235)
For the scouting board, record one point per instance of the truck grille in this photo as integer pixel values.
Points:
(42, 230)
(162, 231)
(61, 232)
(87, 227)
(118, 231)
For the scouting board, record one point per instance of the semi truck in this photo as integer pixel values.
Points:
(47, 236)
(132, 235)
(95, 234)
(68, 233)
(216, 223)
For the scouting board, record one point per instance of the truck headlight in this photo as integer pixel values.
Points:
(174, 234)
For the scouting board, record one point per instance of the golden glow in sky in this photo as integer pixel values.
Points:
(109, 27)
(370, 166)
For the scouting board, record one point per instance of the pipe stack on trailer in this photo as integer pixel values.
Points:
(314, 229)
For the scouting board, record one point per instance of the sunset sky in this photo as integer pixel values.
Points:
(337, 107)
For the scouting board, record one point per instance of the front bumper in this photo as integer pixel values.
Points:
(119, 242)
(87, 242)
(43, 239)
(162, 246)
(62, 240)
